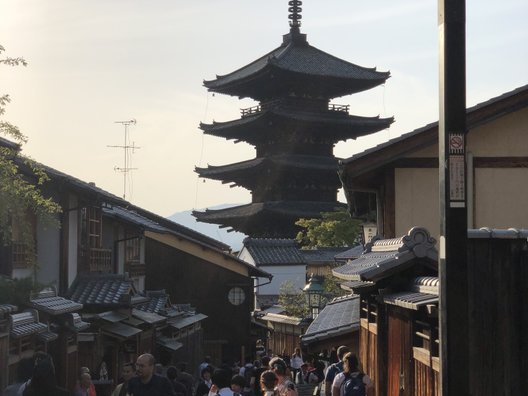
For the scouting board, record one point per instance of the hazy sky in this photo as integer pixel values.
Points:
(94, 62)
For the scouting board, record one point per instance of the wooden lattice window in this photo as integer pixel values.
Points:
(91, 227)
(132, 250)
(22, 239)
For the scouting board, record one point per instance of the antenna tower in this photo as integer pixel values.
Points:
(127, 147)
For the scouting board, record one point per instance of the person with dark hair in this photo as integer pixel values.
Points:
(43, 381)
(335, 369)
(185, 378)
(285, 386)
(268, 383)
(205, 383)
(23, 374)
(351, 381)
(147, 383)
(238, 383)
(264, 366)
(172, 375)
(221, 383)
(127, 372)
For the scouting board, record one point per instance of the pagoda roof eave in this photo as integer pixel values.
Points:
(242, 173)
(332, 75)
(340, 126)
(240, 214)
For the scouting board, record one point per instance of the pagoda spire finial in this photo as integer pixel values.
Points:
(295, 14)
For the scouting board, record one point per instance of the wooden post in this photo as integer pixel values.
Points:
(454, 355)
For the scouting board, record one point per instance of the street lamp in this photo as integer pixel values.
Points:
(314, 294)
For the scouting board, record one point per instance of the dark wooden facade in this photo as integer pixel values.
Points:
(206, 287)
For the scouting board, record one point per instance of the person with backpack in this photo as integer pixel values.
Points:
(352, 382)
(335, 369)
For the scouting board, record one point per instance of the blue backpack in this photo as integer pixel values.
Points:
(353, 385)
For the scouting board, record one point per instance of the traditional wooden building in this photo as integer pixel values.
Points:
(337, 324)
(395, 184)
(284, 331)
(398, 289)
(293, 128)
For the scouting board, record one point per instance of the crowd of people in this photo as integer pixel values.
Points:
(339, 374)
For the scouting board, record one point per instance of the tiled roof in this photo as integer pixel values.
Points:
(338, 317)
(298, 57)
(25, 323)
(120, 330)
(386, 256)
(102, 290)
(494, 233)
(47, 336)
(6, 309)
(358, 287)
(55, 305)
(410, 300)
(295, 209)
(269, 251)
(350, 254)
(338, 125)
(169, 343)
(240, 171)
(476, 115)
(186, 320)
(322, 255)
(76, 323)
(159, 303)
(277, 318)
(148, 317)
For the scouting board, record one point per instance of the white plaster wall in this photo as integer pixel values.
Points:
(293, 273)
(48, 254)
(416, 200)
(244, 255)
(500, 197)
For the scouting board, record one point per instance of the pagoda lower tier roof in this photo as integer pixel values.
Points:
(333, 125)
(297, 67)
(246, 173)
(237, 216)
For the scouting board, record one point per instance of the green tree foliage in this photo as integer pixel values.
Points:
(17, 291)
(20, 195)
(332, 229)
(293, 301)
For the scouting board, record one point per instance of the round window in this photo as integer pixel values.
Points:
(236, 296)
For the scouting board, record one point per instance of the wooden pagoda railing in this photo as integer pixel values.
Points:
(261, 107)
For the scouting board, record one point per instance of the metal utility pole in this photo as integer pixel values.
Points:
(126, 149)
(453, 269)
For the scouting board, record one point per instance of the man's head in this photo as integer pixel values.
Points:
(221, 378)
(304, 367)
(128, 371)
(278, 366)
(145, 367)
(341, 351)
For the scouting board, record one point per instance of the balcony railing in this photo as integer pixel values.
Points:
(97, 260)
(135, 269)
(264, 106)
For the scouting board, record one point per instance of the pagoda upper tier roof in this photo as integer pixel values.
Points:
(334, 125)
(247, 171)
(234, 216)
(297, 67)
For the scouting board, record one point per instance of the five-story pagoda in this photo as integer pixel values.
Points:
(294, 130)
